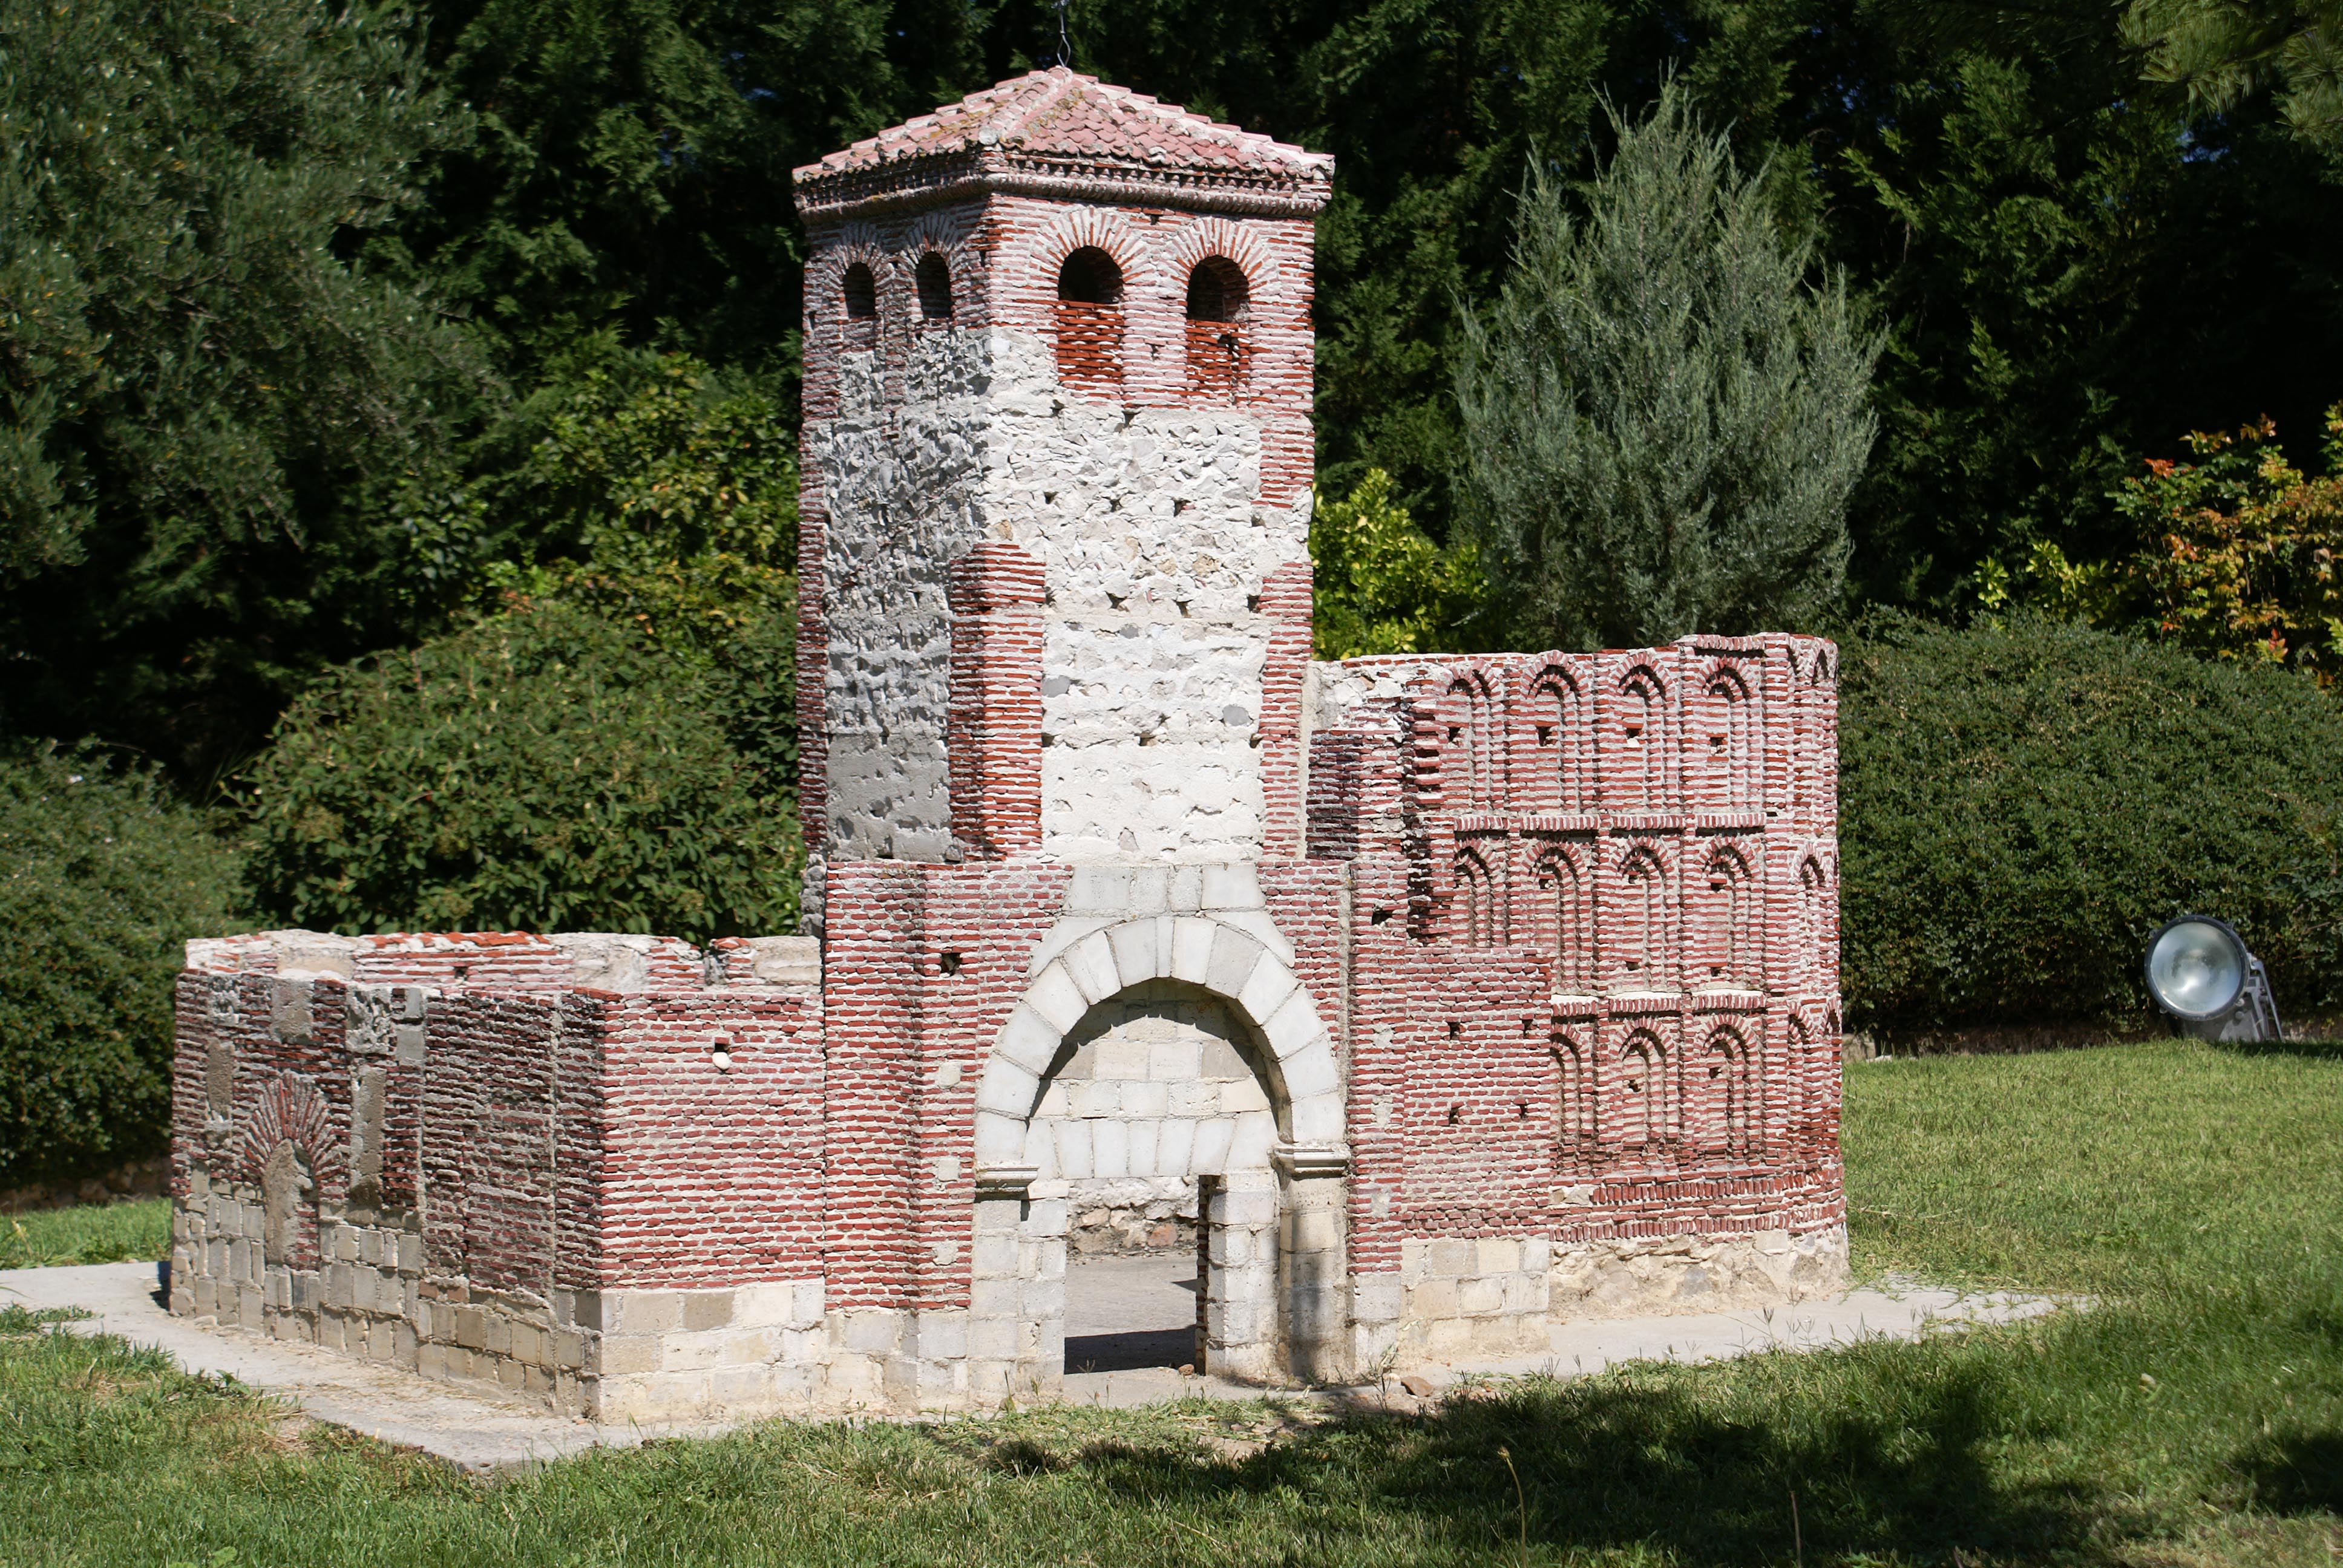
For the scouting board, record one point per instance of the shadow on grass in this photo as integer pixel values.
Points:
(1637, 1462)
(2302, 1473)
(2317, 1049)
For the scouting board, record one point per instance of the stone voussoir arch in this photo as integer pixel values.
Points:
(1202, 950)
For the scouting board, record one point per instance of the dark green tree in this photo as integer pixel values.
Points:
(2065, 264)
(102, 878)
(630, 186)
(2222, 50)
(207, 400)
(1663, 415)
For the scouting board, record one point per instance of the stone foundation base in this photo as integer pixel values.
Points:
(1653, 1276)
(1136, 1215)
(780, 1349)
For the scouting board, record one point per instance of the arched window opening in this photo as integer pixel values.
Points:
(934, 280)
(861, 293)
(1734, 757)
(1217, 291)
(1473, 746)
(1089, 320)
(1478, 919)
(1090, 276)
(1795, 1092)
(1566, 910)
(1554, 713)
(289, 1195)
(1728, 1089)
(1574, 1105)
(1641, 723)
(1814, 958)
(1642, 944)
(1643, 1091)
(1733, 937)
(1218, 349)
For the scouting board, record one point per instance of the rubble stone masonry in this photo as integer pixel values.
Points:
(1431, 1000)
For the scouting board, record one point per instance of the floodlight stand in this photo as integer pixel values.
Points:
(2253, 1018)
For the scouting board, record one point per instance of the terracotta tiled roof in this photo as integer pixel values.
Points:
(1059, 132)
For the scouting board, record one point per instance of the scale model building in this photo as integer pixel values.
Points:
(1431, 999)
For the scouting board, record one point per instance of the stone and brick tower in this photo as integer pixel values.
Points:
(1057, 459)
(1433, 999)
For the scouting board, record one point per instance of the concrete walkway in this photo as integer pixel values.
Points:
(1126, 1318)
(1117, 1307)
(469, 1428)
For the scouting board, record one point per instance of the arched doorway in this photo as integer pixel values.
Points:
(1189, 1043)
(1159, 1106)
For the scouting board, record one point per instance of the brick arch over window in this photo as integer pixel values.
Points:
(293, 1151)
(1815, 952)
(1734, 752)
(1646, 1104)
(1562, 915)
(291, 1109)
(1639, 945)
(844, 290)
(1557, 719)
(1211, 237)
(1732, 957)
(1219, 340)
(1471, 762)
(1089, 333)
(1728, 1089)
(1211, 954)
(1641, 735)
(1478, 919)
(1574, 1102)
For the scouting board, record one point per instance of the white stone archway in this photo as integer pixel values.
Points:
(1276, 1268)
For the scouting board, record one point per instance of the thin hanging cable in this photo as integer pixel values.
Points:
(1065, 50)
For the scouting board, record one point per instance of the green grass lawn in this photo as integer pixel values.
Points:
(98, 1233)
(2194, 1416)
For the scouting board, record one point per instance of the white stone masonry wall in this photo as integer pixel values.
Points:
(1156, 551)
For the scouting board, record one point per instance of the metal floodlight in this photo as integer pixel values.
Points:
(2199, 973)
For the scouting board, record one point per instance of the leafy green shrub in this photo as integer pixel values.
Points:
(544, 769)
(1381, 585)
(2023, 803)
(102, 878)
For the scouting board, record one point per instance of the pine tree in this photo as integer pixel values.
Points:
(203, 398)
(1664, 413)
(2222, 50)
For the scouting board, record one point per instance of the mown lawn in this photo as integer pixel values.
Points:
(2194, 1415)
(98, 1233)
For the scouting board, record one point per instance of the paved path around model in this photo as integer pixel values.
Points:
(1120, 1312)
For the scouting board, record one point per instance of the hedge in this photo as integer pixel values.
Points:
(103, 878)
(2022, 803)
(544, 769)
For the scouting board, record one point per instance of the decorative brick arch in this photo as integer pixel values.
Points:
(291, 1111)
(1084, 228)
(1217, 236)
(1203, 950)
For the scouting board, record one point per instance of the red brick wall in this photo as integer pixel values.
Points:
(708, 1175)
(1285, 598)
(994, 729)
(1712, 755)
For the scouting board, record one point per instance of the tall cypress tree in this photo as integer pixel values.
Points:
(1664, 413)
